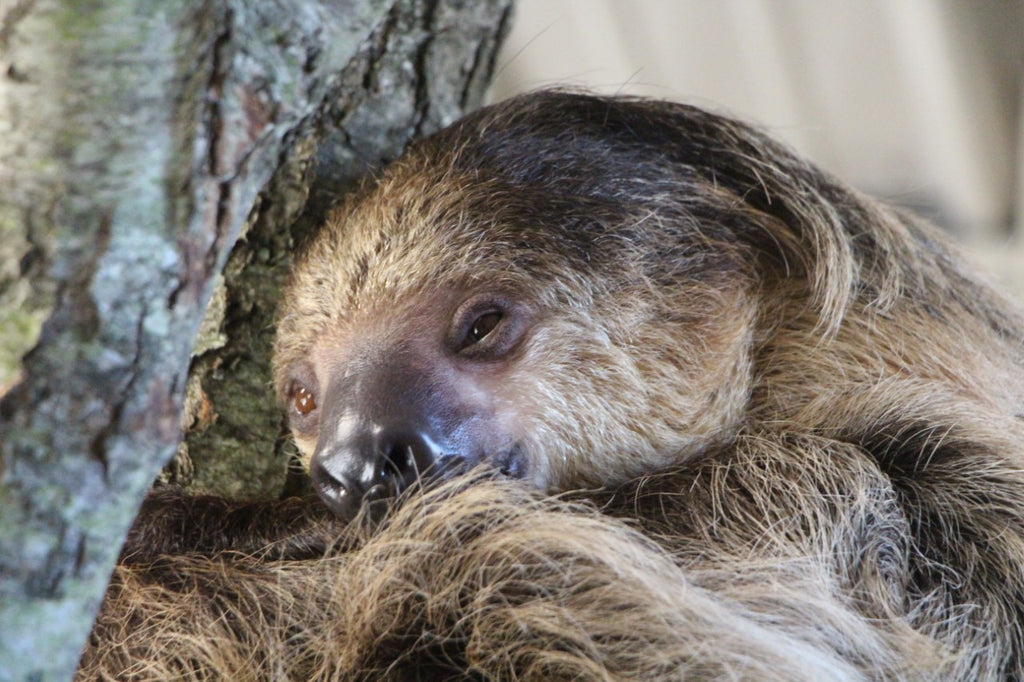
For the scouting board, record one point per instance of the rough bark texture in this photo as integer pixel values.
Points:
(138, 140)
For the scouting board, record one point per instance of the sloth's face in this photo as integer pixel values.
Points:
(455, 377)
(416, 392)
(445, 320)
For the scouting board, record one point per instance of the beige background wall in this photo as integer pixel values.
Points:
(916, 101)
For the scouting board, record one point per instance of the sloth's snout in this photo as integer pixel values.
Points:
(370, 463)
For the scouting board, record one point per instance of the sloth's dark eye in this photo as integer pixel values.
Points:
(303, 400)
(485, 328)
(481, 327)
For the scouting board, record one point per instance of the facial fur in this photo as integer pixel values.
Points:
(606, 359)
(665, 280)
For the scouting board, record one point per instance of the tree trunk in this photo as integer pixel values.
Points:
(138, 138)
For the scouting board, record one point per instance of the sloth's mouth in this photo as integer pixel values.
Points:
(394, 484)
(511, 463)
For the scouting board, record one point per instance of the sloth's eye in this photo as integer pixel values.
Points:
(303, 400)
(485, 328)
(481, 327)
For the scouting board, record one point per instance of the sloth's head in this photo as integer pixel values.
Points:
(548, 288)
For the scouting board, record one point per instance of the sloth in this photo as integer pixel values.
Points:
(611, 388)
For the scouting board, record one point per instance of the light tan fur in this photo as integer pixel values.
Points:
(489, 579)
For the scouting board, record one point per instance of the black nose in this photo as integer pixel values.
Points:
(373, 464)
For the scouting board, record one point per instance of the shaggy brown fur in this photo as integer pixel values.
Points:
(821, 404)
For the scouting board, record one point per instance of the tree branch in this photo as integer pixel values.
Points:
(139, 136)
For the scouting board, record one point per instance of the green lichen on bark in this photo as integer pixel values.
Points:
(234, 442)
(22, 310)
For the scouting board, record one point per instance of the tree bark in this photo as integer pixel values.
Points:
(138, 140)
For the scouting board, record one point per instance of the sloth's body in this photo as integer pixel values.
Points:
(806, 408)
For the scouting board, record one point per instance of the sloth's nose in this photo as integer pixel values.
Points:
(370, 464)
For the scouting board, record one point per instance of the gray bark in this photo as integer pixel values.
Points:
(138, 139)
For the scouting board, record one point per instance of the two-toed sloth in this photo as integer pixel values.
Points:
(790, 422)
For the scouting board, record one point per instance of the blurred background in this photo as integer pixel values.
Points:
(918, 102)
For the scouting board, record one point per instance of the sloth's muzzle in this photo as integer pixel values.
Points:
(371, 463)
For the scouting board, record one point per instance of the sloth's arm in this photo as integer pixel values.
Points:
(171, 522)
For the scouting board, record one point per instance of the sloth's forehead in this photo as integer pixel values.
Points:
(428, 221)
(393, 239)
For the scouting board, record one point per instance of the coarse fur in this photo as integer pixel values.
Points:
(793, 414)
